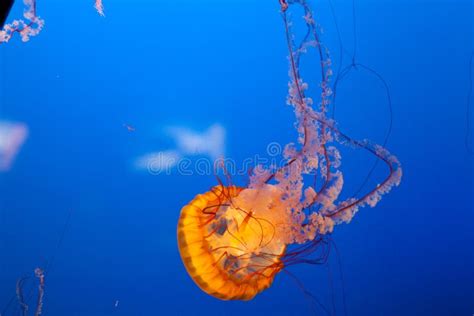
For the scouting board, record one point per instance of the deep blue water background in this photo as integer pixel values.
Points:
(195, 63)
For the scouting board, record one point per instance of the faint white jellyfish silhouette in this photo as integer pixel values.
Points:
(188, 142)
(158, 162)
(12, 137)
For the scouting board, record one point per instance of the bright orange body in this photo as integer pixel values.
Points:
(228, 252)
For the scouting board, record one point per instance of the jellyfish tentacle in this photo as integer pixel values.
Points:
(39, 273)
(341, 74)
(283, 5)
(379, 152)
(32, 27)
(308, 294)
(301, 102)
(19, 294)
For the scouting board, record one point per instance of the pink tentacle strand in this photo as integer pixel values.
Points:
(31, 26)
(99, 6)
(315, 152)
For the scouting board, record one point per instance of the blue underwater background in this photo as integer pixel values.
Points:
(153, 64)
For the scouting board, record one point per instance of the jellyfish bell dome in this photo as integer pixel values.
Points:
(229, 240)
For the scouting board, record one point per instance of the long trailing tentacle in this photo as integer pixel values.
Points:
(355, 65)
(311, 119)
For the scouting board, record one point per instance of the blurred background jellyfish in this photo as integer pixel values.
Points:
(234, 240)
(158, 162)
(188, 142)
(12, 137)
(211, 142)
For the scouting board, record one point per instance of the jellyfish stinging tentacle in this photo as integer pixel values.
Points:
(27, 28)
(99, 6)
(234, 240)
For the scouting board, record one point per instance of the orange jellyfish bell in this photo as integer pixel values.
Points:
(228, 240)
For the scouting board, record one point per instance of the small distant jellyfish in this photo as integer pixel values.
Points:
(31, 26)
(234, 240)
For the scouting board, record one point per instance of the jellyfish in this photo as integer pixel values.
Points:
(234, 240)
